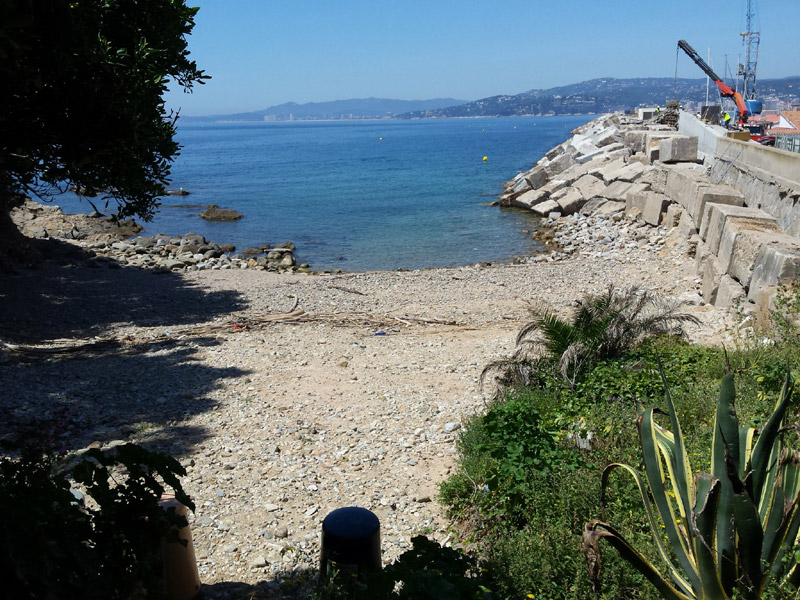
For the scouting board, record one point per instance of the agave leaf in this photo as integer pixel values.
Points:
(684, 480)
(655, 476)
(750, 537)
(674, 572)
(726, 446)
(703, 525)
(639, 562)
(765, 453)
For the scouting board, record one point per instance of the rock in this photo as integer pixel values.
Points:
(451, 427)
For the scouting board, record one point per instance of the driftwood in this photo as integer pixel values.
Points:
(235, 325)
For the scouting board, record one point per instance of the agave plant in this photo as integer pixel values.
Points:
(731, 529)
(605, 325)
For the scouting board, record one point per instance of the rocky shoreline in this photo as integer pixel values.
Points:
(108, 243)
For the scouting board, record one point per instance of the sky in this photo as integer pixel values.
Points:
(260, 53)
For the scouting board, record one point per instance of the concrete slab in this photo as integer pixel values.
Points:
(545, 208)
(554, 185)
(736, 227)
(634, 139)
(521, 186)
(530, 199)
(572, 201)
(686, 225)
(729, 293)
(559, 164)
(774, 265)
(682, 185)
(716, 215)
(747, 247)
(635, 200)
(607, 167)
(678, 149)
(712, 273)
(716, 194)
(654, 206)
(609, 208)
(673, 215)
(701, 255)
(536, 177)
(630, 172)
(589, 186)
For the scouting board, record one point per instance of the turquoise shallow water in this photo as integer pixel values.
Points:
(360, 195)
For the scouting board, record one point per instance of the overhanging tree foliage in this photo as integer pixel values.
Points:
(82, 102)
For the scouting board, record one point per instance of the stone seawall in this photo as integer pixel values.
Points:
(620, 170)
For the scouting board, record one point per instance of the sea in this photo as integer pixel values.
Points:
(359, 195)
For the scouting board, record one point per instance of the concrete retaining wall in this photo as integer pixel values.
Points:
(707, 135)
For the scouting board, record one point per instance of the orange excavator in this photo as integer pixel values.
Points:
(725, 90)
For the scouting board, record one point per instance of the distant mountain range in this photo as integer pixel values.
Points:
(356, 108)
(599, 96)
(587, 97)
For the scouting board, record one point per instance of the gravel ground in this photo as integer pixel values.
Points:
(279, 420)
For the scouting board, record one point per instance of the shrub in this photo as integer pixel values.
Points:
(54, 546)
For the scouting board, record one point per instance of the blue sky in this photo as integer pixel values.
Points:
(266, 52)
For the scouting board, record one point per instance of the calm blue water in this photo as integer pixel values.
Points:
(360, 195)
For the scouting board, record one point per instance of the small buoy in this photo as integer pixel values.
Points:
(485, 158)
(380, 139)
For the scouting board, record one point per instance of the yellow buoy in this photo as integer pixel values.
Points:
(485, 158)
(380, 139)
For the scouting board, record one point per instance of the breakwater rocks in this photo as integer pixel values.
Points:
(620, 184)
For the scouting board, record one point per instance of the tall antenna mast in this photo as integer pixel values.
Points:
(751, 39)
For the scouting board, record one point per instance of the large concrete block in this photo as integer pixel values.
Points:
(634, 139)
(712, 273)
(716, 215)
(559, 164)
(682, 185)
(610, 207)
(673, 216)
(536, 177)
(607, 167)
(630, 172)
(774, 265)
(729, 293)
(701, 255)
(607, 136)
(635, 200)
(678, 149)
(747, 247)
(545, 208)
(572, 201)
(584, 157)
(716, 194)
(552, 186)
(530, 199)
(589, 186)
(686, 225)
(654, 206)
(521, 186)
(736, 227)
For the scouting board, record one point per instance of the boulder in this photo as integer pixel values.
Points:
(559, 164)
(589, 186)
(529, 199)
(729, 293)
(536, 177)
(571, 202)
(215, 213)
(655, 205)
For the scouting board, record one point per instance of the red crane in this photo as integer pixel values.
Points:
(726, 90)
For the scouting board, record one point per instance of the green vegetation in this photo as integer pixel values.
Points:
(531, 468)
(55, 545)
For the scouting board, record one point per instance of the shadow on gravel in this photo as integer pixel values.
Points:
(64, 298)
(114, 390)
(295, 586)
(144, 393)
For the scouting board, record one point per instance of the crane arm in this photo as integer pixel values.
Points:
(726, 90)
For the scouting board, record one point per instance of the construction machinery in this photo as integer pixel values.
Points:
(725, 90)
